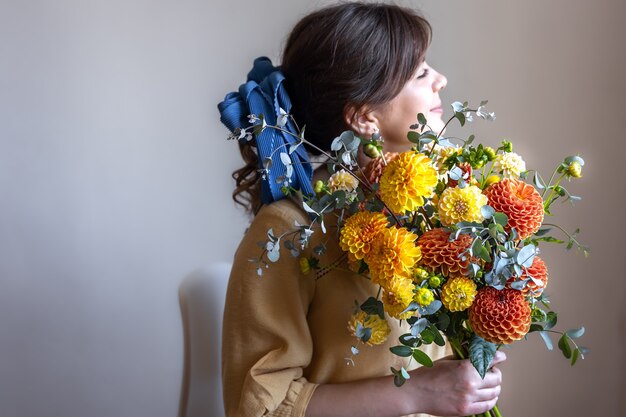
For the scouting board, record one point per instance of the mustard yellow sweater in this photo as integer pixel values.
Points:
(286, 332)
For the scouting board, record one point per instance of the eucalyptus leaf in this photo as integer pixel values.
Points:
(363, 333)
(487, 211)
(419, 326)
(576, 333)
(565, 347)
(422, 358)
(481, 354)
(403, 351)
(546, 339)
(500, 218)
(373, 307)
(575, 356)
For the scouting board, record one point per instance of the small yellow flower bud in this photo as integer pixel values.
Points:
(371, 151)
(490, 152)
(319, 186)
(434, 281)
(305, 267)
(575, 170)
(419, 275)
(492, 179)
(424, 296)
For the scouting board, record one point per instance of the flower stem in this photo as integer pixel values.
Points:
(496, 411)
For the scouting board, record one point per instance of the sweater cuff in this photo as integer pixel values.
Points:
(295, 403)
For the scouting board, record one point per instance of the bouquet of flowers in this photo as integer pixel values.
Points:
(449, 230)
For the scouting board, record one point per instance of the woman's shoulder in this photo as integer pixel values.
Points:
(283, 214)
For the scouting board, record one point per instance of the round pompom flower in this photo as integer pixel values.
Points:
(397, 294)
(393, 253)
(500, 316)
(424, 296)
(359, 231)
(380, 327)
(538, 271)
(510, 164)
(342, 180)
(458, 293)
(439, 254)
(374, 169)
(406, 181)
(461, 205)
(521, 202)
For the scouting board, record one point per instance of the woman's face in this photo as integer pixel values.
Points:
(419, 95)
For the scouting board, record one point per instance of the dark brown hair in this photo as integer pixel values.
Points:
(345, 56)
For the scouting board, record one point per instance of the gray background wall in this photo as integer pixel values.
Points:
(115, 183)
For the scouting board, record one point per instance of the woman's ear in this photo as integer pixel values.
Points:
(361, 121)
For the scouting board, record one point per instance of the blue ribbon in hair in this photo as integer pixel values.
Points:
(264, 93)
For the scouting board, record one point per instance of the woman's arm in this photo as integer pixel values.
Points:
(449, 388)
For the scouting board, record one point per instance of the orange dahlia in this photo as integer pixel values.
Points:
(374, 169)
(393, 253)
(439, 253)
(359, 231)
(406, 181)
(520, 202)
(537, 270)
(500, 316)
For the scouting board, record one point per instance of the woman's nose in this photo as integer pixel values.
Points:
(440, 82)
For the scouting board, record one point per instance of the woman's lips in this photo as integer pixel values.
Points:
(437, 110)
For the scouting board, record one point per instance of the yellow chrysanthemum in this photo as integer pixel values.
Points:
(380, 327)
(397, 295)
(359, 231)
(458, 293)
(424, 296)
(393, 253)
(510, 164)
(342, 180)
(406, 181)
(461, 204)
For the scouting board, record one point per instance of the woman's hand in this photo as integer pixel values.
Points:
(454, 388)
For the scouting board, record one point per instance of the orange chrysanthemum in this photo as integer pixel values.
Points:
(500, 316)
(537, 270)
(438, 254)
(393, 254)
(520, 202)
(406, 181)
(359, 231)
(374, 169)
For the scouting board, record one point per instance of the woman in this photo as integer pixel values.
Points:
(353, 66)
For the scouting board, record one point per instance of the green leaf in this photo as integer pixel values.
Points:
(363, 333)
(546, 339)
(443, 321)
(461, 118)
(551, 320)
(427, 336)
(565, 347)
(422, 358)
(535, 328)
(481, 354)
(400, 350)
(374, 307)
(576, 333)
(421, 118)
(575, 355)
(413, 136)
(500, 218)
(439, 340)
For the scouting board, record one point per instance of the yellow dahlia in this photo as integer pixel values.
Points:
(406, 181)
(439, 254)
(359, 231)
(393, 253)
(397, 294)
(521, 202)
(424, 296)
(342, 180)
(510, 164)
(380, 327)
(458, 293)
(461, 204)
(500, 316)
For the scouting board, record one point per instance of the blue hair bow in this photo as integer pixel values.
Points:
(265, 94)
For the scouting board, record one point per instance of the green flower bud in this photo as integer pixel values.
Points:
(371, 150)
(434, 281)
(507, 146)
(490, 152)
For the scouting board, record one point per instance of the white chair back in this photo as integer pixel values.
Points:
(201, 296)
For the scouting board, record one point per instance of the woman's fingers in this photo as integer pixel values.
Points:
(499, 357)
(492, 379)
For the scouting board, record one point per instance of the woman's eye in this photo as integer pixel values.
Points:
(423, 74)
